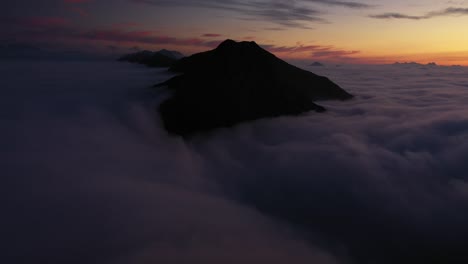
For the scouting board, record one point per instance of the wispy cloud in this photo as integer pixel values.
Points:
(286, 13)
(211, 35)
(349, 4)
(80, 11)
(318, 52)
(396, 16)
(76, 1)
(142, 37)
(36, 22)
(275, 28)
(123, 35)
(451, 11)
(51, 28)
(74, 6)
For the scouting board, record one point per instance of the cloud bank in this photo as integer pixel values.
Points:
(450, 11)
(90, 175)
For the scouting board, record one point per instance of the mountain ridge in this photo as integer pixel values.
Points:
(161, 58)
(238, 82)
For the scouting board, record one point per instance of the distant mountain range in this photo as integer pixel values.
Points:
(415, 64)
(172, 54)
(162, 58)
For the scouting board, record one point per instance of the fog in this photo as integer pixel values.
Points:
(90, 176)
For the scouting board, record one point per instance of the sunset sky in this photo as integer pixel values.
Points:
(342, 31)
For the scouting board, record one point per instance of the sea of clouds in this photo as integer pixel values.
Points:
(90, 176)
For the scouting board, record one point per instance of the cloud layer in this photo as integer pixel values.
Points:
(90, 175)
(286, 13)
(450, 11)
(60, 29)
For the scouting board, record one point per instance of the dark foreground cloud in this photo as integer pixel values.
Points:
(90, 176)
(98, 181)
(451, 11)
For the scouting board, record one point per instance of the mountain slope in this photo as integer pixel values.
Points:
(237, 82)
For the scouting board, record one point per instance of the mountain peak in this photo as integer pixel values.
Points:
(226, 43)
(229, 44)
(239, 82)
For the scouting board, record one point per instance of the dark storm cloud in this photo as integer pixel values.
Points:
(451, 11)
(286, 13)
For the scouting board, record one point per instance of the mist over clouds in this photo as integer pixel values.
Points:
(90, 176)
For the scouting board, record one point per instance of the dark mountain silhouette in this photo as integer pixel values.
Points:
(317, 64)
(414, 64)
(162, 58)
(237, 82)
(171, 54)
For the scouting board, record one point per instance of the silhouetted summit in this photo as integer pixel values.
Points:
(162, 58)
(236, 82)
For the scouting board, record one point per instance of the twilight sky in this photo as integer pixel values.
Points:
(342, 31)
